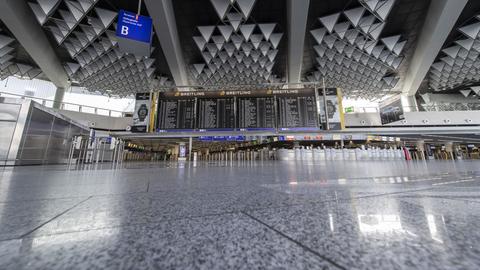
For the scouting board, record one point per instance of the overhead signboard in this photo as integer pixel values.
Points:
(134, 33)
(244, 110)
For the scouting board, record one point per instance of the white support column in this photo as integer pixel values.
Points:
(441, 18)
(59, 94)
(297, 27)
(166, 28)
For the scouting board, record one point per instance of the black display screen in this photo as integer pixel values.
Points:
(216, 113)
(297, 111)
(176, 114)
(256, 112)
(241, 109)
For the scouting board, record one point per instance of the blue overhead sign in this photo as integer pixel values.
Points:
(134, 27)
(134, 33)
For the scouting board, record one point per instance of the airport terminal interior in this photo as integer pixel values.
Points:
(239, 134)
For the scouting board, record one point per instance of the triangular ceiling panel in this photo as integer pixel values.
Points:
(76, 9)
(318, 34)
(452, 51)
(267, 29)
(471, 30)
(399, 47)
(48, 5)
(247, 30)
(199, 68)
(221, 7)
(371, 4)
(466, 43)
(200, 41)
(206, 32)
(384, 8)
(219, 41)
(476, 90)
(354, 15)
(106, 16)
(466, 92)
(234, 19)
(226, 31)
(390, 42)
(330, 21)
(275, 39)
(376, 30)
(245, 6)
(5, 41)
(341, 29)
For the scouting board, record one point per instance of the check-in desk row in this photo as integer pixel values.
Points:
(340, 154)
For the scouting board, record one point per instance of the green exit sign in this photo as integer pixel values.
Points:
(349, 110)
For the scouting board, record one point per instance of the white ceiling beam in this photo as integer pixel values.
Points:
(440, 20)
(165, 27)
(20, 20)
(297, 28)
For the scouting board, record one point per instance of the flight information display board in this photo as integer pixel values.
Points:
(287, 109)
(216, 113)
(256, 112)
(297, 111)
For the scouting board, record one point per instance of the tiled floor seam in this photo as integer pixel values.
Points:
(55, 217)
(455, 199)
(74, 197)
(332, 200)
(301, 245)
(120, 226)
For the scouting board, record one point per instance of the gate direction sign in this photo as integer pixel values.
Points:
(134, 33)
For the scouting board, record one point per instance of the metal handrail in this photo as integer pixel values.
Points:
(45, 102)
(423, 108)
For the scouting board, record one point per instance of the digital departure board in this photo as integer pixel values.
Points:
(176, 114)
(241, 110)
(256, 112)
(216, 113)
(295, 112)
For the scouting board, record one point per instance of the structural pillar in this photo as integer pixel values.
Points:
(21, 21)
(58, 99)
(167, 34)
(297, 14)
(439, 22)
(409, 103)
(190, 142)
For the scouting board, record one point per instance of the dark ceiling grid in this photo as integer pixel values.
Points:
(351, 54)
(407, 17)
(457, 67)
(237, 50)
(11, 63)
(87, 32)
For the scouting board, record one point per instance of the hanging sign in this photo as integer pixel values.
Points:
(134, 33)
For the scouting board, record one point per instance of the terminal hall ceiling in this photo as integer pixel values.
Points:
(457, 66)
(14, 61)
(362, 46)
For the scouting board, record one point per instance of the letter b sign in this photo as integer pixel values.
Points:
(124, 30)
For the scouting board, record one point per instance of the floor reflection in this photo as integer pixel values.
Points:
(365, 215)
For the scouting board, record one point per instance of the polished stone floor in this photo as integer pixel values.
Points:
(249, 215)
